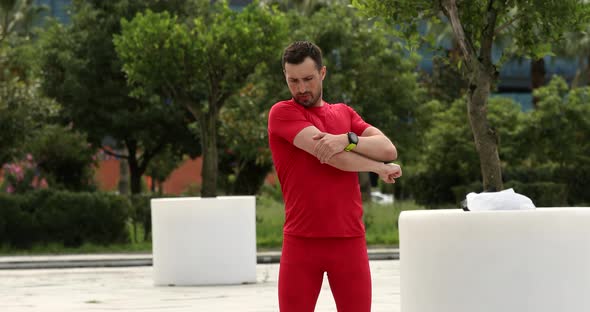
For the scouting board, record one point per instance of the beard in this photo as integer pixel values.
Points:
(307, 99)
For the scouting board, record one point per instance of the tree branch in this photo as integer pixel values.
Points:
(108, 152)
(505, 25)
(147, 156)
(193, 110)
(452, 13)
(488, 33)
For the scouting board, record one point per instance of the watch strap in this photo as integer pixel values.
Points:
(349, 147)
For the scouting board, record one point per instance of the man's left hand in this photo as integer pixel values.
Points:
(328, 145)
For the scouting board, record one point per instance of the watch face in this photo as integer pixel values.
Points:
(353, 138)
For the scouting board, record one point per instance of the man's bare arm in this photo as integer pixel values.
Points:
(347, 161)
(375, 145)
(372, 144)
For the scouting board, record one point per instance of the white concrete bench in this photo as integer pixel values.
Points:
(496, 261)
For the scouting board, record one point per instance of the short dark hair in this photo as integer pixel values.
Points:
(298, 51)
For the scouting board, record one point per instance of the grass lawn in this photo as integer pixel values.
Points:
(380, 221)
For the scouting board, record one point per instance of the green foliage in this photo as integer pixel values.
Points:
(561, 119)
(270, 217)
(552, 171)
(543, 194)
(17, 17)
(449, 158)
(22, 106)
(163, 164)
(16, 224)
(404, 14)
(560, 128)
(246, 160)
(22, 110)
(381, 220)
(64, 157)
(80, 69)
(141, 215)
(305, 7)
(200, 64)
(356, 52)
(273, 191)
(533, 25)
(577, 179)
(446, 83)
(49, 216)
(220, 49)
(73, 218)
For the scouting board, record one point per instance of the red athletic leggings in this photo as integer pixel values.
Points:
(303, 263)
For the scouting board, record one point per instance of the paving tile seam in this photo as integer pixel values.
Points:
(56, 263)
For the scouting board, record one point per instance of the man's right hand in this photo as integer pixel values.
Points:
(389, 172)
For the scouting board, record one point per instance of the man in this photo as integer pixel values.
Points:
(317, 149)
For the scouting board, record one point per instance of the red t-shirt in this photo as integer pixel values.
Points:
(320, 200)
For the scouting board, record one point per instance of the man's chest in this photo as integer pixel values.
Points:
(332, 122)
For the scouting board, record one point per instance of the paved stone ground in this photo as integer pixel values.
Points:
(131, 289)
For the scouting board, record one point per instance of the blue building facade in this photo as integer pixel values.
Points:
(58, 9)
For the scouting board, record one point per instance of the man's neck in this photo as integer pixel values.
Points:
(320, 103)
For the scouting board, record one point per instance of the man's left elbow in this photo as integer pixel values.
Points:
(391, 153)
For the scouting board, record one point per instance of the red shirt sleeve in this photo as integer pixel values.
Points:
(357, 124)
(286, 121)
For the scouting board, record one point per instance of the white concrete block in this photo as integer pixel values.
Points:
(204, 241)
(492, 261)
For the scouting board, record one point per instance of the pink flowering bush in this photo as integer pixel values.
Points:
(22, 176)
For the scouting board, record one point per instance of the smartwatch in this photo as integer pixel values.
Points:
(353, 140)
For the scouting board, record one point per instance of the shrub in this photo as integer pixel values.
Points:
(577, 179)
(64, 157)
(141, 214)
(543, 194)
(22, 176)
(17, 227)
(49, 216)
(460, 191)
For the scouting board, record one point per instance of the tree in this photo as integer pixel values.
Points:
(560, 126)
(199, 65)
(448, 159)
(80, 69)
(247, 159)
(577, 46)
(304, 7)
(476, 25)
(17, 16)
(23, 108)
(356, 52)
(64, 157)
(161, 167)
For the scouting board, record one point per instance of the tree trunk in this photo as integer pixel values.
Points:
(365, 184)
(134, 171)
(250, 178)
(486, 138)
(208, 126)
(537, 77)
(481, 75)
(123, 184)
